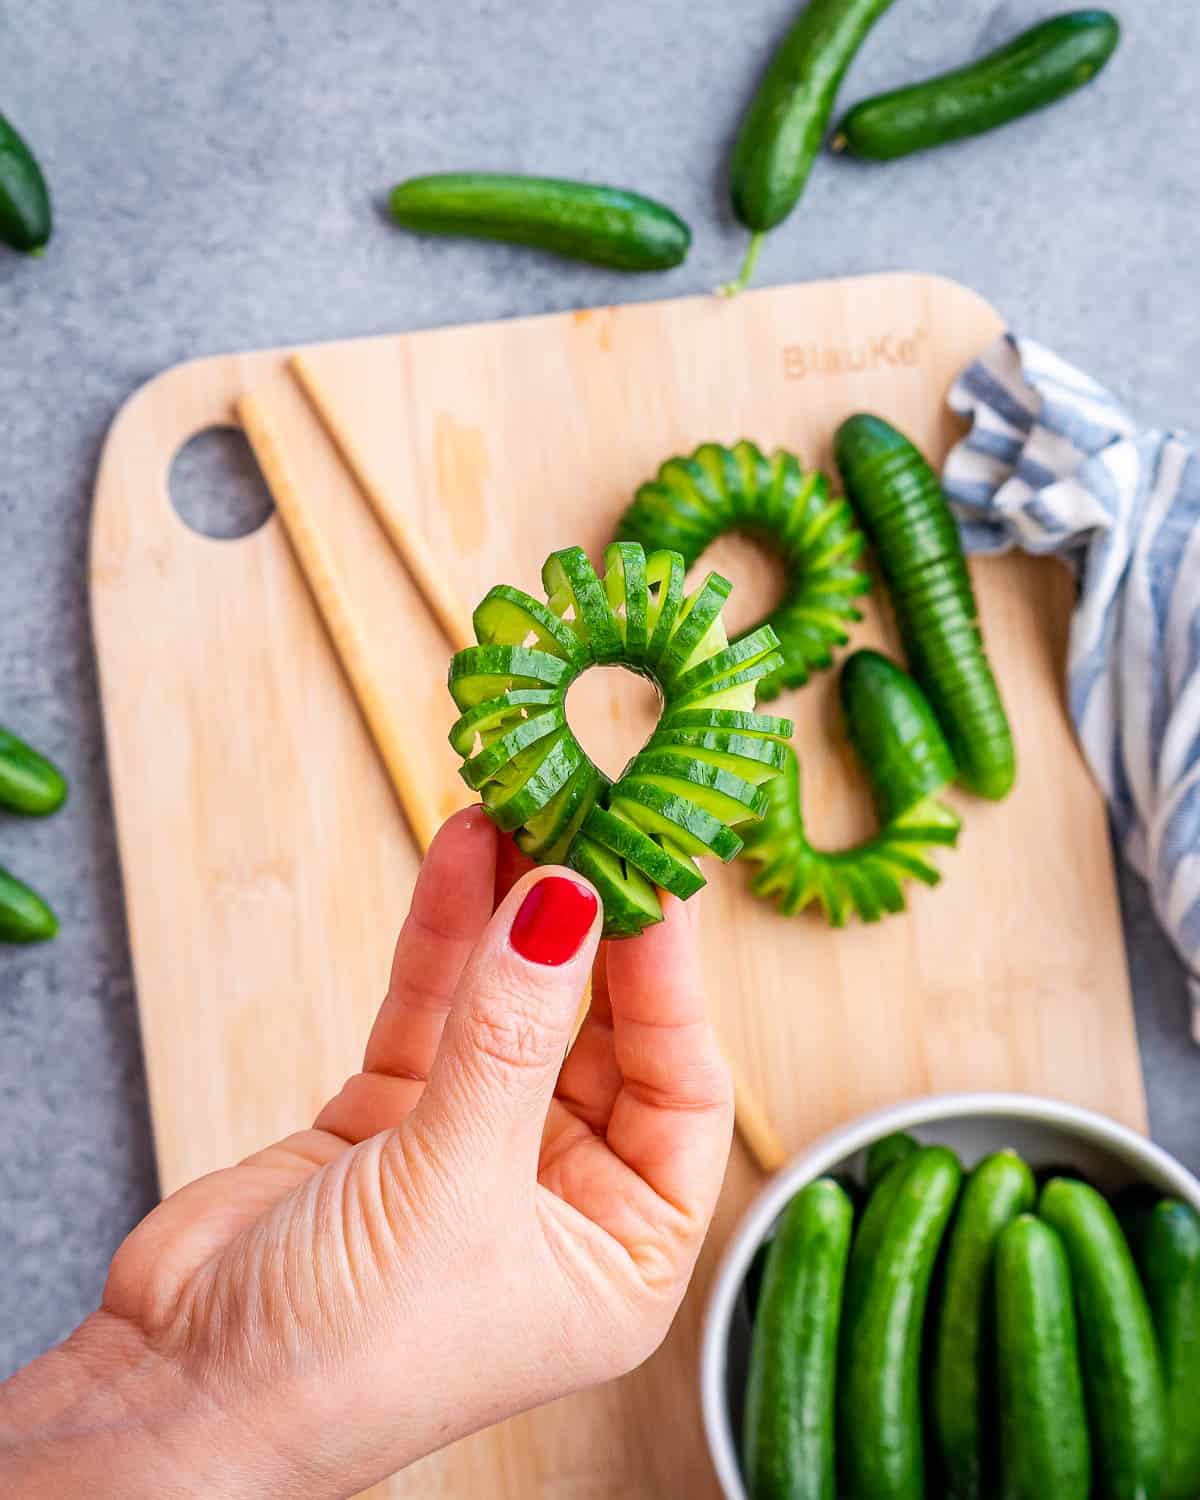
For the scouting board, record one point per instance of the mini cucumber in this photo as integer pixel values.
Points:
(582, 221)
(887, 1152)
(1043, 64)
(702, 772)
(1045, 1452)
(902, 508)
(999, 1189)
(26, 220)
(24, 916)
(1167, 1250)
(1121, 1372)
(788, 1427)
(785, 125)
(880, 1440)
(905, 756)
(28, 782)
(695, 498)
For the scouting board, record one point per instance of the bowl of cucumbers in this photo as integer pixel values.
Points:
(956, 1288)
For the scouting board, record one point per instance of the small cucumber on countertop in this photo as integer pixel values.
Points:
(1166, 1247)
(785, 125)
(583, 221)
(880, 1440)
(908, 519)
(787, 1432)
(26, 220)
(1041, 65)
(24, 916)
(887, 1152)
(28, 782)
(999, 1189)
(1121, 1371)
(1045, 1451)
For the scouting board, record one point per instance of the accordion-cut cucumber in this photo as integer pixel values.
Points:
(705, 769)
(904, 753)
(693, 500)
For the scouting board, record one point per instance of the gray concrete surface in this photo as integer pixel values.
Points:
(218, 171)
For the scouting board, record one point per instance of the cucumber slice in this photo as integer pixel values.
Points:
(630, 902)
(508, 616)
(671, 871)
(569, 572)
(482, 672)
(628, 597)
(706, 769)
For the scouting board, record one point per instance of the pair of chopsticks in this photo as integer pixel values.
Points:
(417, 800)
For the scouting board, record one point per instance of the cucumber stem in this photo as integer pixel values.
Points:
(742, 281)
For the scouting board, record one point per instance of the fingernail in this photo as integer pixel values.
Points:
(555, 917)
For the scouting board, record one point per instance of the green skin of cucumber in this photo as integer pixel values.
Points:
(1045, 1449)
(999, 1189)
(29, 784)
(1121, 1372)
(607, 226)
(880, 1439)
(900, 504)
(887, 1153)
(906, 758)
(1166, 1247)
(26, 220)
(1042, 65)
(787, 1434)
(702, 771)
(785, 125)
(24, 916)
(696, 498)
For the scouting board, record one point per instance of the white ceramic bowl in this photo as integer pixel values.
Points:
(1045, 1131)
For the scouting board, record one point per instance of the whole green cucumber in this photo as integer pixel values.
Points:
(908, 520)
(787, 1431)
(999, 1189)
(1045, 1450)
(583, 221)
(26, 219)
(1167, 1251)
(880, 1442)
(1041, 65)
(1121, 1372)
(28, 782)
(887, 1152)
(785, 125)
(24, 916)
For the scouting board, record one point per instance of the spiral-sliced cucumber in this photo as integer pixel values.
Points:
(704, 770)
(904, 752)
(693, 500)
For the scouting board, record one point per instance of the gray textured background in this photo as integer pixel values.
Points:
(217, 171)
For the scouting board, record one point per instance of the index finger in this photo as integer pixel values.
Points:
(673, 1118)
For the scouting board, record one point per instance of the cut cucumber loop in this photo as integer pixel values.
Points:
(704, 770)
(693, 500)
(896, 736)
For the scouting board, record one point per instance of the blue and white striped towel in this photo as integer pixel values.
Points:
(1054, 464)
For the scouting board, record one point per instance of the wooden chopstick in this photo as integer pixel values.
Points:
(416, 800)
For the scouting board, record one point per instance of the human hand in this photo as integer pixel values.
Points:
(472, 1226)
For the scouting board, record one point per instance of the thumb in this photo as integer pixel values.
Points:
(513, 1013)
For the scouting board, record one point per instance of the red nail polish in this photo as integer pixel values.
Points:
(555, 917)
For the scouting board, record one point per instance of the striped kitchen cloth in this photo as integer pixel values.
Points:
(1053, 463)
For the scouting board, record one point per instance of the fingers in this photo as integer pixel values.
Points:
(451, 904)
(673, 1118)
(512, 1017)
(591, 1080)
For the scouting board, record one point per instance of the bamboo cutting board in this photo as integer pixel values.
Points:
(266, 864)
